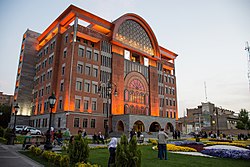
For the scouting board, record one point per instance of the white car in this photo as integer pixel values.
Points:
(19, 128)
(32, 130)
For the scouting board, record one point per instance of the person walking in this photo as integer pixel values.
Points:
(112, 148)
(162, 141)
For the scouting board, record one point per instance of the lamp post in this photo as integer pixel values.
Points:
(52, 101)
(108, 87)
(16, 107)
(217, 121)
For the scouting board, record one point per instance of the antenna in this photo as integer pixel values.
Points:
(247, 48)
(205, 90)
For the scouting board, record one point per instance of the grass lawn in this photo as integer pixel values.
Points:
(37, 159)
(149, 159)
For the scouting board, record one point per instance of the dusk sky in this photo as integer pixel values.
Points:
(208, 36)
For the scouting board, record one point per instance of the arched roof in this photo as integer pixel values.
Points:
(139, 36)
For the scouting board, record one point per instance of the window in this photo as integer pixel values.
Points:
(88, 54)
(92, 123)
(79, 68)
(65, 53)
(60, 104)
(95, 72)
(86, 86)
(77, 103)
(78, 85)
(86, 104)
(95, 58)
(76, 122)
(51, 59)
(87, 70)
(85, 123)
(80, 52)
(59, 123)
(94, 88)
(63, 69)
(94, 105)
(62, 86)
(66, 38)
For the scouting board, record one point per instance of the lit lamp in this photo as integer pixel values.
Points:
(52, 101)
(16, 108)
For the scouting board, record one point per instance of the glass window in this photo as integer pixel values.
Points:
(94, 105)
(76, 122)
(79, 68)
(94, 88)
(60, 104)
(63, 70)
(65, 53)
(95, 72)
(92, 123)
(85, 123)
(86, 87)
(77, 103)
(59, 123)
(88, 54)
(87, 70)
(61, 86)
(86, 104)
(80, 52)
(95, 58)
(78, 85)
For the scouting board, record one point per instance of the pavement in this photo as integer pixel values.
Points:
(10, 157)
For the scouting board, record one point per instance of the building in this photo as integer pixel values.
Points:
(106, 76)
(6, 99)
(207, 117)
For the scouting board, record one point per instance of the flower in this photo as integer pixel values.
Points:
(227, 153)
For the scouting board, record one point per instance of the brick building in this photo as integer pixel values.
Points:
(104, 74)
(6, 99)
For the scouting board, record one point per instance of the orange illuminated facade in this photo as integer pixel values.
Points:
(76, 62)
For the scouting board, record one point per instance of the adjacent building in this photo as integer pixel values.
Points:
(207, 117)
(106, 76)
(6, 99)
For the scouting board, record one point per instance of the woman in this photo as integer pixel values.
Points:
(112, 147)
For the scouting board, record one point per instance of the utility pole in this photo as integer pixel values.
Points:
(247, 48)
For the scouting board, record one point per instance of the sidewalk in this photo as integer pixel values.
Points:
(10, 157)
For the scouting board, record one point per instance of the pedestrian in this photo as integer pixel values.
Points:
(162, 142)
(94, 137)
(100, 138)
(112, 148)
(132, 134)
(84, 133)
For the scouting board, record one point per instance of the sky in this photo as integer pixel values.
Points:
(209, 37)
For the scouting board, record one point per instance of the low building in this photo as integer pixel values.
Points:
(207, 117)
(6, 99)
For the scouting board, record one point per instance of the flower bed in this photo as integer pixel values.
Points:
(227, 143)
(227, 153)
(191, 144)
(172, 147)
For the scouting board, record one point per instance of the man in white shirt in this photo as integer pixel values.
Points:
(162, 142)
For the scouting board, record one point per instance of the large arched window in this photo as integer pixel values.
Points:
(126, 109)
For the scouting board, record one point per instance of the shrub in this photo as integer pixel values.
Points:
(128, 154)
(7, 135)
(64, 162)
(79, 164)
(79, 150)
(32, 148)
(46, 155)
(38, 151)
(3, 140)
(1, 132)
(57, 159)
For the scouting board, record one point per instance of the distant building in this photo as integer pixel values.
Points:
(207, 117)
(6, 99)
(77, 62)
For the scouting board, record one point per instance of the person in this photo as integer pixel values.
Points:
(79, 131)
(84, 133)
(112, 148)
(132, 134)
(162, 141)
(138, 134)
(100, 138)
(94, 138)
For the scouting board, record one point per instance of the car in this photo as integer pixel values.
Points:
(19, 128)
(32, 130)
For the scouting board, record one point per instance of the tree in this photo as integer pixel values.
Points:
(5, 114)
(244, 122)
(128, 154)
(78, 150)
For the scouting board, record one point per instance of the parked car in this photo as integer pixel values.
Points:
(32, 130)
(20, 128)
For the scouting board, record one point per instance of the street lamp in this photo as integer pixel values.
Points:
(52, 101)
(109, 87)
(16, 108)
(217, 121)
